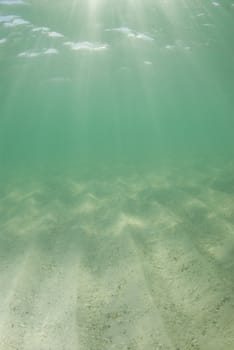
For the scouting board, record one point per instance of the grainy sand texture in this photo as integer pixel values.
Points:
(129, 262)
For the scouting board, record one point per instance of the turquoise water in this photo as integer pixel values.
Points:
(116, 169)
(107, 81)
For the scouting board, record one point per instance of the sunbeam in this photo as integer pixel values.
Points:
(116, 175)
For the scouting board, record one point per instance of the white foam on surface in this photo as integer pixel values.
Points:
(55, 35)
(16, 22)
(7, 18)
(40, 29)
(12, 2)
(86, 46)
(31, 53)
(130, 33)
(50, 51)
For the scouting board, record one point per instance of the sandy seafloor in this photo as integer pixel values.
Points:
(138, 260)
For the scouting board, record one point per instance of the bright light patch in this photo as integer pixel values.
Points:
(40, 29)
(16, 22)
(148, 63)
(55, 35)
(32, 54)
(50, 52)
(7, 18)
(86, 46)
(11, 2)
(130, 33)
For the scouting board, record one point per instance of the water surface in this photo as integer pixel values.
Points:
(116, 169)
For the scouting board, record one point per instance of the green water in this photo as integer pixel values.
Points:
(158, 84)
(116, 169)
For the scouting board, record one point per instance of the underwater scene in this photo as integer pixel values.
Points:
(116, 175)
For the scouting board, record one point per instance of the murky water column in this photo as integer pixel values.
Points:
(116, 175)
